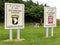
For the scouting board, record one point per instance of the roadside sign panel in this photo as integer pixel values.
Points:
(49, 17)
(14, 16)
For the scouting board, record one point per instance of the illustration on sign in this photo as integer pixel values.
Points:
(50, 19)
(15, 19)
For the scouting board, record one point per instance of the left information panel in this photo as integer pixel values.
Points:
(14, 16)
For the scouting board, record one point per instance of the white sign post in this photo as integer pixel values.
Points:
(18, 34)
(52, 31)
(14, 17)
(49, 19)
(47, 32)
(10, 34)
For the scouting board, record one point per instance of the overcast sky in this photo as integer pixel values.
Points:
(52, 3)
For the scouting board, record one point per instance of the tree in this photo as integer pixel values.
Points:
(2, 7)
(1, 10)
(37, 12)
(33, 10)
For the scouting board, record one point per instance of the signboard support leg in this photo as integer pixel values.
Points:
(10, 34)
(47, 32)
(18, 34)
(52, 31)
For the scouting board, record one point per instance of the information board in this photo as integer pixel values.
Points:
(14, 16)
(49, 16)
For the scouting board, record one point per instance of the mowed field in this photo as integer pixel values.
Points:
(32, 36)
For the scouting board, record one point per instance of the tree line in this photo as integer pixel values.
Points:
(33, 11)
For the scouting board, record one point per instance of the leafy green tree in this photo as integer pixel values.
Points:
(34, 10)
(37, 12)
(2, 2)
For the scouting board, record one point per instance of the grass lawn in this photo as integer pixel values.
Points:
(32, 36)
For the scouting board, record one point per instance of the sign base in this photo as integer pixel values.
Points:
(13, 40)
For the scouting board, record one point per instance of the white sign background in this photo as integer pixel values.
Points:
(49, 11)
(14, 9)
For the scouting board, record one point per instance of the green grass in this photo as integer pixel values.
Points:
(32, 36)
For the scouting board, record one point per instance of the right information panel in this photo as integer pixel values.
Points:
(49, 16)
